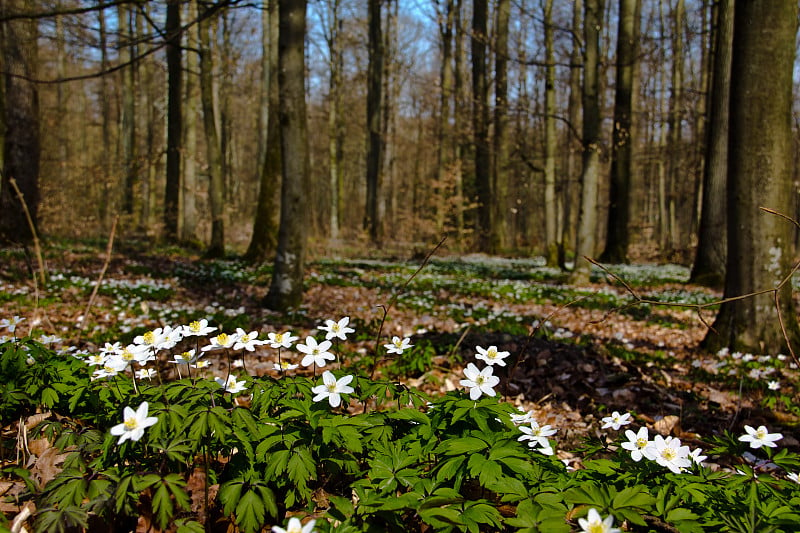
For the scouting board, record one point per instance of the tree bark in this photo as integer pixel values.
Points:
(550, 141)
(335, 123)
(372, 221)
(760, 173)
(216, 189)
(21, 147)
(443, 128)
(286, 288)
(587, 218)
(618, 230)
(265, 225)
(127, 121)
(709, 263)
(571, 190)
(174, 119)
(480, 125)
(188, 195)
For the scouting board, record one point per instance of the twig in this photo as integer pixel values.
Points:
(37, 248)
(92, 298)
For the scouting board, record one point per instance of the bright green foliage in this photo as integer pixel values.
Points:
(404, 465)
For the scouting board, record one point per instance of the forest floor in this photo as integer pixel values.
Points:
(581, 352)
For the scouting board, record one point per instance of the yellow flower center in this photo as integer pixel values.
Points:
(284, 365)
(245, 338)
(641, 443)
(131, 424)
(331, 387)
(149, 337)
(222, 338)
(668, 454)
(491, 354)
(279, 337)
(195, 326)
(761, 434)
(126, 355)
(596, 527)
(479, 379)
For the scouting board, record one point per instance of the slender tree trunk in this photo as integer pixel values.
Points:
(335, 123)
(571, 190)
(21, 147)
(587, 219)
(216, 190)
(761, 158)
(265, 226)
(709, 263)
(189, 190)
(388, 188)
(501, 141)
(674, 121)
(443, 132)
(618, 236)
(174, 119)
(286, 288)
(480, 125)
(459, 104)
(104, 98)
(372, 222)
(128, 121)
(550, 141)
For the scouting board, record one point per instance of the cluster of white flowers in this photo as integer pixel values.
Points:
(535, 434)
(480, 382)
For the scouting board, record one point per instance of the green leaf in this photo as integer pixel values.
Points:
(461, 445)
(250, 512)
(189, 526)
(633, 497)
(440, 517)
(680, 514)
(162, 506)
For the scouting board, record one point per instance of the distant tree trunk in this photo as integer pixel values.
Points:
(335, 123)
(550, 141)
(265, 227)
(459, 102)
(21, 147)
(618, 231)
(587, 218)
(104, 198)
(216, 190)
(760, 170)
(480, 124)
(387, 198)
(128, 121)
(286, 288)
(174, 119)
(501, 141)
(674, 137)
(188, 223)
(374, 107)
(571, 196)
(443, 127)
(709, 263)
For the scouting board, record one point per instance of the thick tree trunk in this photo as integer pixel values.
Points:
(587, 219)
(618, 229)
(709, 263)
(265, 226)
(174, 119)
(216, 189)
(480, 127)
(372, 222)
(760, 173)
(21, 147)
(501, 141)
(286, 288)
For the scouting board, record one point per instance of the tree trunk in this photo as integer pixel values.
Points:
(459, 104)
(550, 141)
(389, 123)
(571, 190)
(286, 288)
(674, 137)
(174, 119)
(760, 173)
(374, 107)
(587, 218)
(127, 122)
(501, 140)
(216, 189)
(480, 124)
(618, 236)
(443, 131)
(335, 123)
(189, 190)
(709, 263)
(265, 227)
(104, 99)
(21, 147)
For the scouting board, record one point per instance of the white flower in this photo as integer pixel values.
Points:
(638, 444)
(231, 385)
(537, 435)
(315, 353)
(281, 340)
(398, 345)
(201, 364)
(669, 453)
(295, 526)
(774, 385)
(283, 366)
(479, 382)
(146, 373)
(616, 420)
(197, 328)
(793, 477)
(184, 358)
(247, 341)
(491, 355)
(11, 323)
(523, 418)
(111, 348)
(760, 437)
(696, 458)
(594, 523)
(135, 422)
(223, 340)
(331, 388)
(337, 330)
(50, 339)
(95, 360)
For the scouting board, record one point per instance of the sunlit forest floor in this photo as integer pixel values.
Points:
(580, 352)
